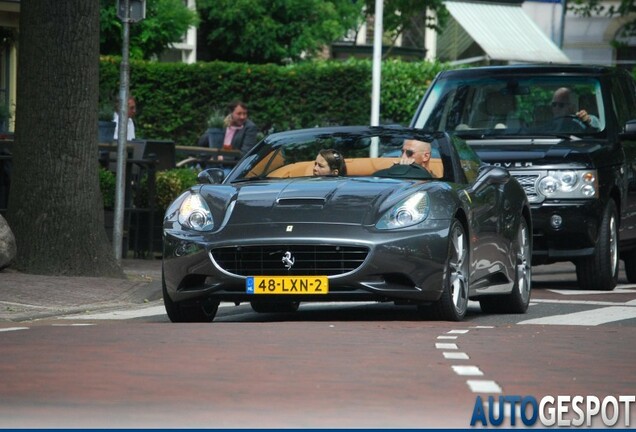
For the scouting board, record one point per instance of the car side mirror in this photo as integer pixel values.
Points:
(211, 176)
(629, 131)
(490, 175)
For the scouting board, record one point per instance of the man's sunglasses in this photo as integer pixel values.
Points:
(409, 153)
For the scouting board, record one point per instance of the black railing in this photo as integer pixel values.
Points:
(142, 223)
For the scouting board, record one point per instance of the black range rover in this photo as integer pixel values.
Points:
(578, 170)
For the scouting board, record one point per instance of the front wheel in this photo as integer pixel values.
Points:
(199, 311)
(453, 303)
(600, 270)
(519, 298)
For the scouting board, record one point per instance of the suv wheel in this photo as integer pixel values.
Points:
(600, 270)
(630, 266)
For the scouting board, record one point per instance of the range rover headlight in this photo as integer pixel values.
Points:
(194, 213)
(569, 179)
(549, 186)
(564, 184)
(409, 211)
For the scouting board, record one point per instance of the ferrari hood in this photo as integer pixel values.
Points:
(324, 200)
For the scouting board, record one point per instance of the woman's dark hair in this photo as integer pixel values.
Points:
(334, 160)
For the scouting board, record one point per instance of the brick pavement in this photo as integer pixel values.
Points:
(25, 297)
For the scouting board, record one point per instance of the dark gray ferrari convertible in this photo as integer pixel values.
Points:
(339, 214)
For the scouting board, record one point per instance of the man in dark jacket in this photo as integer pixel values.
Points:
(239, 132)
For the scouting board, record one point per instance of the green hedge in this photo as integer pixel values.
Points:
(169, 184)
(174, 100)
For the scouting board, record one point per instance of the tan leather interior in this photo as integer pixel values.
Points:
(355, 167)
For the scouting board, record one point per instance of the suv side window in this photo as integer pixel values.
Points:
(624, 100)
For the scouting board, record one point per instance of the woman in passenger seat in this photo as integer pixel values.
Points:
(329, 162)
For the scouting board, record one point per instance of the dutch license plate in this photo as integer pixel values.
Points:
(287, 285)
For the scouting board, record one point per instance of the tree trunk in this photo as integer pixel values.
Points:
(55, 208)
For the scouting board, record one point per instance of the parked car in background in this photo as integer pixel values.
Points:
(274, 234)
(577, 168)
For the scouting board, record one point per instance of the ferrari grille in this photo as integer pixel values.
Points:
(290, 260)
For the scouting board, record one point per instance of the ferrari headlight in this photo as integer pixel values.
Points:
(569, 184)
(409, 211)
(194, 213)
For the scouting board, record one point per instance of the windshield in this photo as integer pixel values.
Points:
(513, 106)
(351, 152)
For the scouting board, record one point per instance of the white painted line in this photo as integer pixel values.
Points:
(587, 318)
(8, 329)
(450, 346)
(121, 314)
(585, 292)
(483, 386)
(456, 356)
(467, 370)
(582, 302)
(458, 331)
(447, 337)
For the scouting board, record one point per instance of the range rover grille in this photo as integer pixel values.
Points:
(307, 259)
(529, 185)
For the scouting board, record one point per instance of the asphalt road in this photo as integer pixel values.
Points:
(326, 366)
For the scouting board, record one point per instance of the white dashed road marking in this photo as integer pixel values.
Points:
(476, 386)
(450, 346)
(456, 356)
(484, 386)
(467, 370)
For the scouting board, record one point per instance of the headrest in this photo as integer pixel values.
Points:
(499, 104)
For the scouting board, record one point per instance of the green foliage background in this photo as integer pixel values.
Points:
(174, 100)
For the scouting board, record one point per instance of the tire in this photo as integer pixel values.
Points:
(453, 303)
(274, 306)
(519, 298)
(600, 270)
(198, 311)
(630, 266)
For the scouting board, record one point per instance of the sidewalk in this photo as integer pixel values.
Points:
(26, 297)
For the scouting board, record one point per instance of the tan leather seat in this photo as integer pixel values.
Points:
(355, 167)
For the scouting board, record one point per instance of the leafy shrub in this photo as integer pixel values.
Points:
(169, 184)
(107, 183)
(175, 100)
